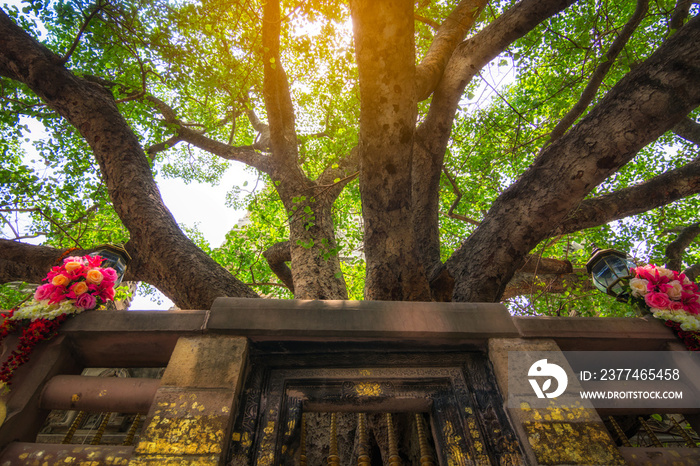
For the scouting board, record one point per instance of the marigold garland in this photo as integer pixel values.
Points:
(77, 285)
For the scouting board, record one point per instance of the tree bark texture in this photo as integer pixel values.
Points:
(643, 105)
(385, 57)
(674, 251)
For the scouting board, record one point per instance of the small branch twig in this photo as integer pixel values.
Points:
(51, 220)
(600, 72)
(458, 193)
(433, 24)
(98, 7)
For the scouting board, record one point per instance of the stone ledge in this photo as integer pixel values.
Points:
(599, 333)
(136, 321)
(360, 319)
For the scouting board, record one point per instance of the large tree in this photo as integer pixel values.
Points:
(373, 126)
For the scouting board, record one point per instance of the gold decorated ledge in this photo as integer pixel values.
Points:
(191, 422)
(179, 460)
(555, 442)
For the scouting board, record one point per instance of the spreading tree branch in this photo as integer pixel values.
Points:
(689, 130)
(173, 261)
(432, 136)
(601, 71)
(663, 189)
(245, 154)
(692, 272)
(536, 264)
(680, 13)
(675, 249)
(643, 105)
(473, 54)
(278, 100)
(529, 284)
(449, 34)
(162, 146)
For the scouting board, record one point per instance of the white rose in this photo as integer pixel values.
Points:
(664, 272)
(639, 287)
(675, 291)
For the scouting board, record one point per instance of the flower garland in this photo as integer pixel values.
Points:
(79, 284)
(670, 296)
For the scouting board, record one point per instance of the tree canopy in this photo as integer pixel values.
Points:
(452, 151)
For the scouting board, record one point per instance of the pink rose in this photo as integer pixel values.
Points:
(44, 292)
(110, 274)
(657, 300)
(73, 259)
(692, 308)
(676, 306)
(86, 301)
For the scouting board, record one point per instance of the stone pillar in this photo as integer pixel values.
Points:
(191, 416)
(558, 434)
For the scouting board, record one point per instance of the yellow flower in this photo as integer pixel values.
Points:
(79, 288)
(60, 280)
(73, 266)
(94, 277)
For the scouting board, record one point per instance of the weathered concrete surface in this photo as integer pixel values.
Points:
(559, 434)
(214, 361)
(190, 420)
(660, 456)
(29, 454)
(361, 319)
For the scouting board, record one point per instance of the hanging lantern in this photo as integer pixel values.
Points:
(608, 267)
(115, 257)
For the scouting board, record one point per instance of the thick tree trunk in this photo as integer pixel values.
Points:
(174, 262)
(385, 55)
(647, 102)
(315, 262)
